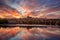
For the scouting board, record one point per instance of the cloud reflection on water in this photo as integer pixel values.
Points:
(17, 33)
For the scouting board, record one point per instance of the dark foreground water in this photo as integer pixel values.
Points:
(18, 33)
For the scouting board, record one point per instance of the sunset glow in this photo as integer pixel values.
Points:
(32, 8)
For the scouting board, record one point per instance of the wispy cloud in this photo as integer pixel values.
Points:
(34, 7)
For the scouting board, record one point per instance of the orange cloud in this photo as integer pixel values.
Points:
(7, 12)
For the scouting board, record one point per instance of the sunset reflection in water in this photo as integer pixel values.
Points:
(17, 33)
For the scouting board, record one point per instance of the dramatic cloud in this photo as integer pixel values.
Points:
(34, 8)
(8, 12)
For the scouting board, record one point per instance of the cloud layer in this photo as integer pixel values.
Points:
(35, 8)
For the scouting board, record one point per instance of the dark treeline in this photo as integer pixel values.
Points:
(3, 21)
(31, 21)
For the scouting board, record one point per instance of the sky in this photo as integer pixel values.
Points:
(35, 8)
